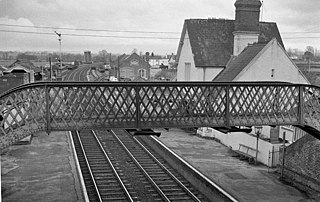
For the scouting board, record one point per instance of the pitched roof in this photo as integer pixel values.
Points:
(125, 60)
(26, 64)
(212, 39)
(237, 64)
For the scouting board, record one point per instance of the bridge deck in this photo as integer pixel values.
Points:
(75, 106)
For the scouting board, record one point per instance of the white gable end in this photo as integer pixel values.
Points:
(186, 63)
(272, 64)
(186, 59)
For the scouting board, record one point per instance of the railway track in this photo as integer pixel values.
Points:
(101, 178)
(116, 164)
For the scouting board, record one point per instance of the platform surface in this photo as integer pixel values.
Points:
(41, 171)
(45, 170)
(244, 181)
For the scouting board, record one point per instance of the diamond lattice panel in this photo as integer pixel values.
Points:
(23, 113)
(87, 107)
(311, 103)
(183, 106)
(70, 106)
(263, 105)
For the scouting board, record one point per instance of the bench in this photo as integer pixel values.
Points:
(243, 152)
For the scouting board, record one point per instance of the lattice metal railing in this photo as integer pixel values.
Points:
(74, 106)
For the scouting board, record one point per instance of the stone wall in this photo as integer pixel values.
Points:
(302, 162)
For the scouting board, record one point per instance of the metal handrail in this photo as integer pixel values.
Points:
(208, 104)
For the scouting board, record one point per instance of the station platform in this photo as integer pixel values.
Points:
(244, 181)
(41, 171)
(45, 170)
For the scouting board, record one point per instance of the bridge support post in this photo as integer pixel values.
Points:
(227, 109)
(283, 154)
(138, 115)
(300, 108)
(48, 129)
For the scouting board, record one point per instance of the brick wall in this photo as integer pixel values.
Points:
(10, 81)
(302, 162)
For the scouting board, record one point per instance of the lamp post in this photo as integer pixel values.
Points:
(283, 153)
(257, 130)
(60, 57)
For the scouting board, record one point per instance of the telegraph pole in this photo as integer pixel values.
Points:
(118, 68)
(50, 68)
(60, 56)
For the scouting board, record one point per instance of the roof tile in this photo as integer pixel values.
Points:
(237, 64)
(212, 39)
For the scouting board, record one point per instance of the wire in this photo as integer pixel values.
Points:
(95, 30)
(129, 37)
(305, 32)
(128, 31)
(91, 35)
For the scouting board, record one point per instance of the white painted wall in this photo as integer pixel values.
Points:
(186, 56)
(289, 130)
(196, 73)
(241, 40)
(260, 69)
(232, 140)
(155, 63)
(211, 73)
(274, 57)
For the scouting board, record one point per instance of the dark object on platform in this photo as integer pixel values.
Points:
(144, 132)
(233, 129)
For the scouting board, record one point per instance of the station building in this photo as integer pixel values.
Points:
(243, 49)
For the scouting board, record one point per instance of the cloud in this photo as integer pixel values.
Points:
(142, 15)
(298, 15)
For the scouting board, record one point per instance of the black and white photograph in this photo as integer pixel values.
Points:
(184, 100)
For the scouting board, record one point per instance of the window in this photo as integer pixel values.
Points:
(142, 73)
(187, 71)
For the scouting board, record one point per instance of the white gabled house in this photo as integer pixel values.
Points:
(262, 62)
(243, 49)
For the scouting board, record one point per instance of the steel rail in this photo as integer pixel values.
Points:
(76, 159)
(168, 172)
(89, 168)
(164, 197)
(113, 168)
(215, 185)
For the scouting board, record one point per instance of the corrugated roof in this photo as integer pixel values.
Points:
(237, 64)
(212, 39)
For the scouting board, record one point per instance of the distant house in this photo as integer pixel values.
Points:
(172, 61)
(157, 61)
(207, 45)
(132, 67)
(23, 66)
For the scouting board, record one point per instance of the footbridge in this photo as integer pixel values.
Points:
(59, 106)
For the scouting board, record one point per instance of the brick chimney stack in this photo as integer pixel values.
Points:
(247, 15)
(246, 24)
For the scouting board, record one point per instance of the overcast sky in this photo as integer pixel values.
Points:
(297, 20)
